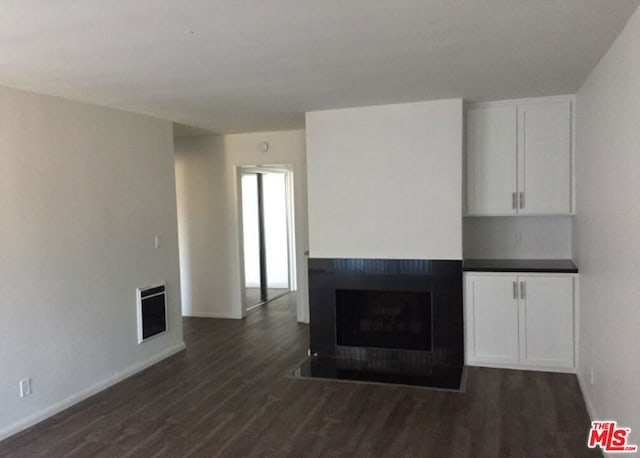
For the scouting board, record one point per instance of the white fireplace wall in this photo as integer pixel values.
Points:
(386, 181)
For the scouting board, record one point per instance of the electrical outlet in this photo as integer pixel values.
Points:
(25, 388)
(517, 238)
(591, 376)
(156, 241)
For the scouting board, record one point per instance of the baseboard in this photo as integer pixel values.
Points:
(587, 400)
(591, 410)
(560, 370)
(81, 396)
(228, 316)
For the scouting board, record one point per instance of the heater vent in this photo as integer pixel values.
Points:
(152, 311)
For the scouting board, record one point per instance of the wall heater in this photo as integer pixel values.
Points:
(152, 311)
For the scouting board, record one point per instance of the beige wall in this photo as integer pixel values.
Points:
(83, 192)
(607, 227)
(208, 213)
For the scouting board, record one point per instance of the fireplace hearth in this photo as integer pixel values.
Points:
(386, 320)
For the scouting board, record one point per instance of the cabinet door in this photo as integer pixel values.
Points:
(544, 158)
(491, 316)
(491, 160)
(546, 321)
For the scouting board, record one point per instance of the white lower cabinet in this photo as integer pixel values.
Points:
(520, 320)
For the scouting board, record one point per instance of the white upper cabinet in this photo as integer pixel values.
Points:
(491, 160)
(519, 157)
(544, 158)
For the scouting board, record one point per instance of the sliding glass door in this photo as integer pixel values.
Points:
(265, 235)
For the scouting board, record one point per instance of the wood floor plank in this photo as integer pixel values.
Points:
(229, 395)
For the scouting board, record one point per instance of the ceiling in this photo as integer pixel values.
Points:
(254, 65)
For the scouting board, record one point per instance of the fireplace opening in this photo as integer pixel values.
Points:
(383, 319)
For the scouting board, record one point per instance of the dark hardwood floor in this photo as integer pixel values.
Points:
(228, 394)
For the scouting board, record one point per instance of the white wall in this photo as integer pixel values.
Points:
(607, 240)
(540, 237)
(83, 192)
(386, 181)
(208, 213)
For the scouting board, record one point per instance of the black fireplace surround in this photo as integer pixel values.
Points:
(392, 320)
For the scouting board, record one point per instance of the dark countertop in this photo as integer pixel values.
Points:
(564, 266)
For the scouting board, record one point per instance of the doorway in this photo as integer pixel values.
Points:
(267, 234)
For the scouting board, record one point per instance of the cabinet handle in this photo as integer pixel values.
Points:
(521, 199)
(514, 200)
(523, 290)
(515, 289)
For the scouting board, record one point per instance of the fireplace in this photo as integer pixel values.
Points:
(383, 319)
(386, 320)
